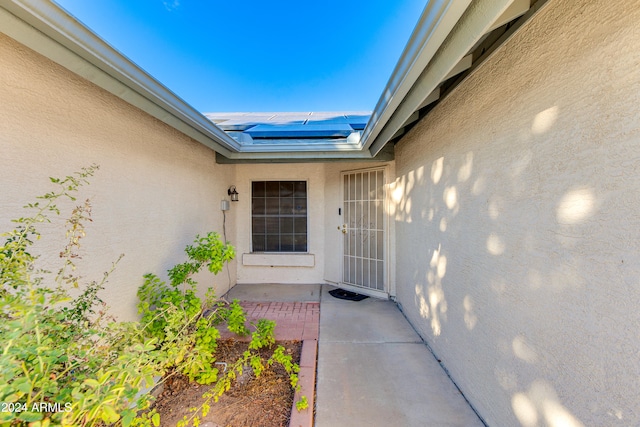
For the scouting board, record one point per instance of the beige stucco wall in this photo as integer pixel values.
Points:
(155, 190)
(324, 238)
(313, 173)
(518, 225)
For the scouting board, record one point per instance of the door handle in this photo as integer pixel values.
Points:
(344, 228)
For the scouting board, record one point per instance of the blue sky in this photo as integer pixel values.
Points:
(255, 56)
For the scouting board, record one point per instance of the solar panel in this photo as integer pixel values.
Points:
(301, 131)
(300, 126)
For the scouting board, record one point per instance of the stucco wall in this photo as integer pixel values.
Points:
(313, 173)
(324, 238)
(155, 190)
(518, 226)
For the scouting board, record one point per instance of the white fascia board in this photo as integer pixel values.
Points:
(436, 22)
(356, 154)
(345, 148)
(47, 29)
(50, 31)
(251, 145)
(440, 58)
(301, 145)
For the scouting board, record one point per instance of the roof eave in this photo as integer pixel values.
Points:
(445, 33)
(447, 29)
(49, 30)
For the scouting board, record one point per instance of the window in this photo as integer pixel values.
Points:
(279, 216)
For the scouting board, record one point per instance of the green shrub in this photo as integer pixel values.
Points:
(65, 362)
(61, 361)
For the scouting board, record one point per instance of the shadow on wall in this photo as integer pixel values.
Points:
(504, 257)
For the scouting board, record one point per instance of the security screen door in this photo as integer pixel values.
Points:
(363, 231)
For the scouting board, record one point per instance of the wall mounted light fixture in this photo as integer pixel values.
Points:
(233, 193)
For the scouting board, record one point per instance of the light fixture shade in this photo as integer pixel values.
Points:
(233, 193)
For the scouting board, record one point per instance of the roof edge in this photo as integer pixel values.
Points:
(445, 33)
(436, 22)
(49, 30)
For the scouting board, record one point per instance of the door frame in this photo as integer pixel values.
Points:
(385, 292)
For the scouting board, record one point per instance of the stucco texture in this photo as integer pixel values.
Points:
(313, 174)
(155, 189)
(324, 238)
(517, 226)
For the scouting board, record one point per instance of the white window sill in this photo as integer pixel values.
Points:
(279, 260)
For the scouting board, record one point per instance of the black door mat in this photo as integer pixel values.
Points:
(348, 295)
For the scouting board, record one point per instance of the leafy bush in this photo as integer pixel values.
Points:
(178, 318)
(62, 362)
(65, 362)
(186, 327)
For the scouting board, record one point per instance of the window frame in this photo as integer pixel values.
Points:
(307, 215)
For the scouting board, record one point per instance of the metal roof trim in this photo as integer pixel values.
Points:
(476, 21)
(444, 34)
(433, 49)
(436, 22)
(83, 52)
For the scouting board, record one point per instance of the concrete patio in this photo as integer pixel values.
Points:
(372, 369)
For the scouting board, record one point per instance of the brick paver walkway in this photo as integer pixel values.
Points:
(294, 320)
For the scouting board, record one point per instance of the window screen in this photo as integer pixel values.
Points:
(279, 216)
